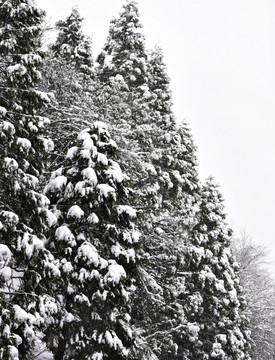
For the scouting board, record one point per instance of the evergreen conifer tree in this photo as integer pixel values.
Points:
(96, 244)
(124, 53)
(68, 73)
(163, 173)
(159, 83)
(212, 297)
(72, 44)
(25, 264)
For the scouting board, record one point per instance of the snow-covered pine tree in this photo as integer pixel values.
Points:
(124, 52)
(67, 72)
(216, 328)
(162, 168)
(96, 244)
(159, 83)
(172, 155)
(25, 264)
(72, 44)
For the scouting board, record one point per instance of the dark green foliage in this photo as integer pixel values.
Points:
(72, 44)
(124, 53)
(212, 295)
(23, 209)
(95, 243)
(176, 294)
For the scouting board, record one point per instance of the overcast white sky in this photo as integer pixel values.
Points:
(221, 60)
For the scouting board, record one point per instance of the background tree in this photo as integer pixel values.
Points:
(259, 288)
(67, 72)
(72, 44)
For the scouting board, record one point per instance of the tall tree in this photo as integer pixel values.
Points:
(25, 264)
(72, 44)
(162, 165)
(211, 295)
(96, 244)
(159, 83)
(124, 53)
(68, 72)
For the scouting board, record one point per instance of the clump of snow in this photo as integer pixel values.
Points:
(48, 144)
(19, 69)
(5, 272)
(217, 351)
(93, 218)
(67, 267)
(63, 233)
(19, 314)
(146, 91)
(50, 217)
(3, 111)
(90, 176)
(32, 127)
(69, 191)
(56, 184)
(178, 177)
(31, 58)
(71, 152)
(5, 256)
(220, 285)
(97, 356)
(42, 121)
(30, 243)
(89, 253)
(56, 173)
(47, 97)
(75, 212)
(113, 340)
(39, 198)
(82, 299)
(80, 188)
(233, 295)
(100, 126)
(159, 230)
(150, 169)
(118, 250)
(9, 218)
(193, 331)
(53, 268)
(85, 154)
(126, 209)
(222, 338)
(101, 158)
(84, 134)
(6, 331)
(23, 143)
(30, 180)
(13, 353)
(81, 237)
(69, 317)
(114, 171)
(115, 272)
(136, 236)
(88, 143)
(8, 127)
(105, 191)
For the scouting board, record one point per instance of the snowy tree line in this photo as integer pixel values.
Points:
(110, 246)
